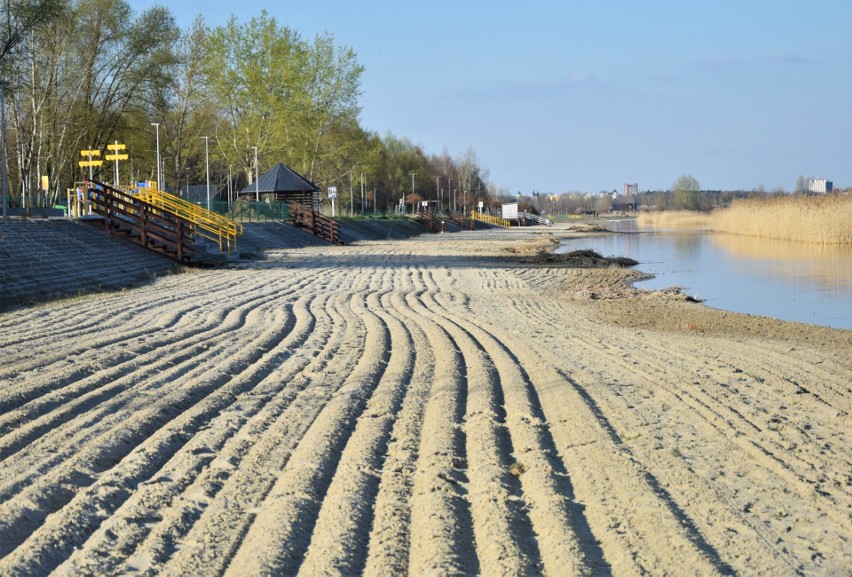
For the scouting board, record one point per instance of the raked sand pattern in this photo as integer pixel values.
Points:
(423, 407)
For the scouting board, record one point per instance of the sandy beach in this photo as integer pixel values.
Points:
(443, 405)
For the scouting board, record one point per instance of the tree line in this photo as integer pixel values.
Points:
(685, 194)
(83, 74)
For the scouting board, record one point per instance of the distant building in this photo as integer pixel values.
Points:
(631, 189)
(820, 185)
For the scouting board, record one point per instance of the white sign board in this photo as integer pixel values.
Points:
(481, 204)
(510, 211)
(332, 194)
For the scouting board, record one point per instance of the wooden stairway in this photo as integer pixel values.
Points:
(132, 218)
(431, 221)
(317, 224)
(463, 221)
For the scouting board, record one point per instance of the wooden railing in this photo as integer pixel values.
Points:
(141, 222)
(463, 221)
(432, 222)
(317, 224)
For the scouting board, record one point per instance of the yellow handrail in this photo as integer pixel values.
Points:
(490, 219)
(209, 224)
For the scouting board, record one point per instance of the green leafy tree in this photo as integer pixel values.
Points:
(296, 101)
(686, 193)
(333, 85)
(256, 70)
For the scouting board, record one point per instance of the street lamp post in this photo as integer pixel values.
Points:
(157, 126)
(256, 177)
(207, 161)
(3, 85)
(438, 191)
(163, 185)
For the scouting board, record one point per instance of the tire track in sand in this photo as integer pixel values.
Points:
(543, 485)
(504, 533)
(422, 519)
(705, 467)
(90, 487)
(102, 400)
(246, 466)
(58, 492)
(588, 385)
(629, 532)
(390, 538)
(340, 538)
(442, 536)
(114, 341)
(279, 536)
(170, 501)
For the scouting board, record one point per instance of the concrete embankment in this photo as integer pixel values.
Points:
(43, 259)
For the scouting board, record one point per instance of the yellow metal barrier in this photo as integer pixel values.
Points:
(490, 219)
(210, 225)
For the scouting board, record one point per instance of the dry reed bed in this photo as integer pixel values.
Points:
(818, 219)
(675, 218)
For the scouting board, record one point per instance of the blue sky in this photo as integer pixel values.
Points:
(563, 95)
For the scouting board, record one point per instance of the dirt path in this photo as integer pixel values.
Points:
(431, 406)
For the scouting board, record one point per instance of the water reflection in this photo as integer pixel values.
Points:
(688, 245)
(794, 281)
(825, 265)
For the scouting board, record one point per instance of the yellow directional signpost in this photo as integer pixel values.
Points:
(90, 163)
(116, 156)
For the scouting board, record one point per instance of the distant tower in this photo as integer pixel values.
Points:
(631, 189)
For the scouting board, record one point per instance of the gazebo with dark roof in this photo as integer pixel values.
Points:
(286, 184)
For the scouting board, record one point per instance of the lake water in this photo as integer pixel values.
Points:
(802, 282)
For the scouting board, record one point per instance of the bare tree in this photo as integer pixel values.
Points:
(184, 104)
(466, 166)
(20, 19)
(79, 80)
